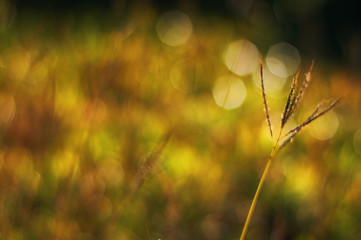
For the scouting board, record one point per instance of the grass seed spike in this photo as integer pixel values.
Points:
(293, 100)
(264, 99)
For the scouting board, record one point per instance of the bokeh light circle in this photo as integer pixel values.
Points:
(272, 82)
(325, 127)
(283, 59)
(241, 57)
(229, 92)
(174, 28)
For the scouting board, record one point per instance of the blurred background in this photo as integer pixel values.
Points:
(144, 119)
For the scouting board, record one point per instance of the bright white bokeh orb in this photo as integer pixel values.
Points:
(174, 28)
(272, 82)
(241, 57)
(283, 60)
(325, 127)
(229, 92)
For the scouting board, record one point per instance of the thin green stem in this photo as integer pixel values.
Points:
(260, 184)
(255, 198)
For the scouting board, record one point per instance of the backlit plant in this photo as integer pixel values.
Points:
(293, 100)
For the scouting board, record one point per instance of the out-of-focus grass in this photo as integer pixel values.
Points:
(83, 105)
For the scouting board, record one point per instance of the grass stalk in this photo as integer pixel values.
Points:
(255, 198)
(260, 184)
(293, 100)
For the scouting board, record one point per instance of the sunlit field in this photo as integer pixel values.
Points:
(151, 125)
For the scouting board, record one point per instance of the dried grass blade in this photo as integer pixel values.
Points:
(302, 90)
(316, 114)
(329, 108)
(264, 99)
(290, 100)
(149, 164)
(141, 175)
(300, 126)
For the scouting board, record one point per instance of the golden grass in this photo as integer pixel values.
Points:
(292, 102)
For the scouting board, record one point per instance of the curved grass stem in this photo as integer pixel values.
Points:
(293, 100)
(260, 184)
(255, 198)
